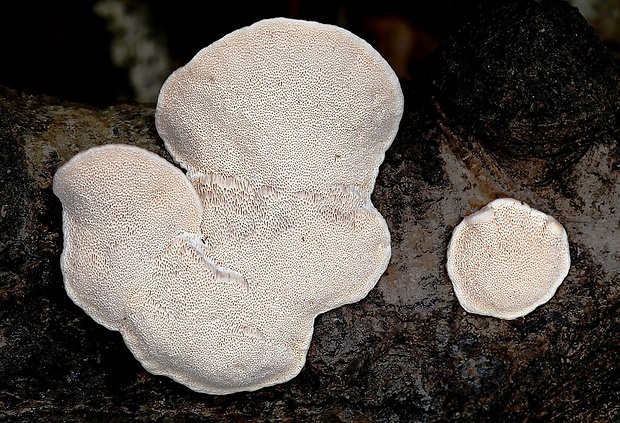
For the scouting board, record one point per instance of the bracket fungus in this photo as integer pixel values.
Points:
(507, 259)
(214, 276)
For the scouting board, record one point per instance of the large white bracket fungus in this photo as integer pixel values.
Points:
(507, 259)
(214, 277)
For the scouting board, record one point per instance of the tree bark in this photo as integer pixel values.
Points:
(520, 102)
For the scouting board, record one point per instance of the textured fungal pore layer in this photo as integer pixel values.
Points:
(507, 259)
(122, 206)
(215, 276)
(284, 103)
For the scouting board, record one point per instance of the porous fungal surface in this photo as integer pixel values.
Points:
(507, 259)
(215, 277)
(287, 104)
(121, 206)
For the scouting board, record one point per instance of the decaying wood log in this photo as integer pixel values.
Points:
(521, 102)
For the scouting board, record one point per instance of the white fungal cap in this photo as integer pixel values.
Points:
(285, 103)
(134, 260)
(214, 278)
(507, 259)
(121, 206)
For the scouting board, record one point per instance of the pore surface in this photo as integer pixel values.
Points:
(281, 127)
(507, 259)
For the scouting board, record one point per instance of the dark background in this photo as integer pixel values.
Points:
(63, 48)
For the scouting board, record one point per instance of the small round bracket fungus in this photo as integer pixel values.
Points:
(507, 259)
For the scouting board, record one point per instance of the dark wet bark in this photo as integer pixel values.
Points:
(521, 102)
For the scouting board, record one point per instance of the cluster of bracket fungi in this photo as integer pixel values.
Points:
(214, 276)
